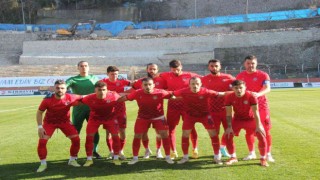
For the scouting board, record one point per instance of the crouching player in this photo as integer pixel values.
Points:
(246, 116)
(150, 102)
(102, 112)
(57, 115)
(195, 99)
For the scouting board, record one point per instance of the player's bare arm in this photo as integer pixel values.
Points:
(122, 99)
(259, 127)
(229, 129)
(41, 131)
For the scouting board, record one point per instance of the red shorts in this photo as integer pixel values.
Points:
(190, 121)
(249, 126)
(265, 119)
(122, 120)
(142, 125)
(173, 116)
(218, 119)
(67, 128)
(110, 125)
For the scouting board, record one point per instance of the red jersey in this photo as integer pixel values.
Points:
(58, 110)
(159, 83)
(117, 86)
(196, 104)
(175, 82)
(220, 83)
(150, 105)
(241, 105)
(254, 82)
(101, 109)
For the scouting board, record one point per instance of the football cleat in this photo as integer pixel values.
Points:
(195, 154)
(169, 160)
(96, 155)
(174, 155)
(159, 154)
(270, 158)
(147, 154)
(183, 160)
(250, 157)
(224, 152)
(217, 161)
(264, 163)
(42, 168)
(231, 161)
(88, 163)
(110, 156)
(74, 163)
(117, 162)
(133, 161)
(122, 156)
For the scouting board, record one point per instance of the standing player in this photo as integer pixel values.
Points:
(152, 71)
(117, 85)
(259, 83)
(150, 102)
(83, 84)
(220, 82)
(102, 112)
(246, 116)
(176, 79)
(195, 100)
(57, 115)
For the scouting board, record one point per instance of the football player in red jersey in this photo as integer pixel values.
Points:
(57, 116)
(177, 79)
(242, 113)
(258, 82)
(195, 99)
(152, 72)
(150, 102)
(221, 82)
(117, 85)
(102, 112)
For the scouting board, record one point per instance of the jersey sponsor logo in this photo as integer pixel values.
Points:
(245, 102)
(108, 101)
(224, 80)
(118, 84)
(155, 97)
(201, 97)
(255, 79)
(184, 79)
(157, 83)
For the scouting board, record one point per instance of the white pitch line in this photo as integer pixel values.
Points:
(16, 109)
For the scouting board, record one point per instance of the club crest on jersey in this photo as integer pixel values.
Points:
(201, 97)
(245, 102)
(157, 83)
(155, 97)
(67, 103)
(184, 79)
(255, 79)
(224, 80)
(108, 101)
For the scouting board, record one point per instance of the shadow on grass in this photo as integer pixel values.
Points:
(103, 168)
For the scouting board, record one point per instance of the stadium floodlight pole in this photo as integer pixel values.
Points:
(22, 10)
(302, 66)
(318, 67)
(247, 7)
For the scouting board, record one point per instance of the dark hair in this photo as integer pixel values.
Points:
(112, 69)
(237, 83)
(194, 78)
(82, 62)
(213, 61)
(146, 79)
(100, 84)
(151, 64)
(59, 81)
(250, 57)
(175, 63)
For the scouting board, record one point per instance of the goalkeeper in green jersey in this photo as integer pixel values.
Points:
(83, 84)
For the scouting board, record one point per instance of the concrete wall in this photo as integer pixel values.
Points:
(191, 50)
(189, 9)
(11, 46)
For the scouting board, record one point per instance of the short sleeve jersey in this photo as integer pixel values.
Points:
(159, 83)
(101, 109)
(196, 104)
(82, 85)
(174, 83)
(254, 82)
(150, 105)
(241, 105)
(220, 83)
(58, 110)
(117, 86)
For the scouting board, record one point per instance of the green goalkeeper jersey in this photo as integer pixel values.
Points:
(82, 85)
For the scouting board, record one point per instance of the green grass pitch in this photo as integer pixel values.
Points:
(296, 146)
